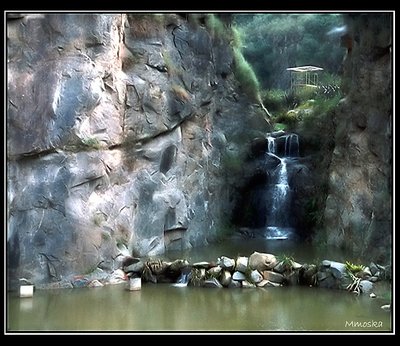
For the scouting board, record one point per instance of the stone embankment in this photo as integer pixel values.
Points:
(258, 270)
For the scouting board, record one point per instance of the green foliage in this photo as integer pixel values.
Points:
(287, 261)
(280, 127)
(275, 42)
(354, 268)
(316, 125)
(92, 143)
(290, 119)
(307, 109)
(244, 72)
(305, 93)
(322, 105)
(327, 78)
(246, 76)
(274, 99)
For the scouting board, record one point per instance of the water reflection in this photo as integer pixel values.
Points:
(302, 252)
(164, 307)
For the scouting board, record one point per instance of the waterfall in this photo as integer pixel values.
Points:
(183, 279)
(271, 145)
(292, 145)
(284, 148)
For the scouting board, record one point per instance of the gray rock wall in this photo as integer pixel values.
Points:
(358, 213)
(123, 135)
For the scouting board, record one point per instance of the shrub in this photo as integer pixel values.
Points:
(322, 105)
(92, 143)
(290, 118)
(354, 268)
(274, 99)
(305, 93)
(287, 261)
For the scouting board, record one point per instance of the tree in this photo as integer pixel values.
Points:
(274, 42)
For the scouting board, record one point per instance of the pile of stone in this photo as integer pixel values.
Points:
(257, 270)
(336, 275)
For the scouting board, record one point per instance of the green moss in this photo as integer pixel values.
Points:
(91, 143)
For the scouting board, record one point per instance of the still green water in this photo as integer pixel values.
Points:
(164, 307)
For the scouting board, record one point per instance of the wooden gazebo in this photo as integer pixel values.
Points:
(304, 76)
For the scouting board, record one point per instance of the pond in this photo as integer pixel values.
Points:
(163, 307)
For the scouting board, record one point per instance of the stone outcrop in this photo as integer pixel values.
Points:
(125, 134)
(358, 212)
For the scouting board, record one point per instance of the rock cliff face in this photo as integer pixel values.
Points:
(358, 213)
(124, 134)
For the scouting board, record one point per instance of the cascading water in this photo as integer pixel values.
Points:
(279, 195)
(183, 279)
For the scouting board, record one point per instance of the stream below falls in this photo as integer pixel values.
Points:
(164, 307)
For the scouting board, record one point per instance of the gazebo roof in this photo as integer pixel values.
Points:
(304, 68)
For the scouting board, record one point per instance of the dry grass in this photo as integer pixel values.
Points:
(181, 93)
(146, 25)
